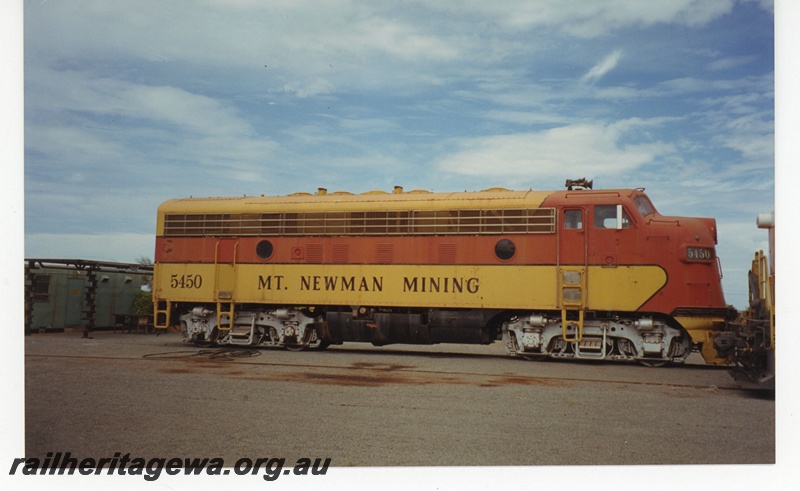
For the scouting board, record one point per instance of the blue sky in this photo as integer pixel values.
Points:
(131, 103)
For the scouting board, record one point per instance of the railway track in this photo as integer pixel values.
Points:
(364, 373)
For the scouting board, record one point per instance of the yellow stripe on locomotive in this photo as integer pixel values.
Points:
(464, 287)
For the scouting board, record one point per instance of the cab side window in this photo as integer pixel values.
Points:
(573, 219)
(605, 216)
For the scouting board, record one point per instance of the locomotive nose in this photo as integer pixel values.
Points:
(712, 227)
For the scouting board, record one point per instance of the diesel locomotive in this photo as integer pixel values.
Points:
(574, 273)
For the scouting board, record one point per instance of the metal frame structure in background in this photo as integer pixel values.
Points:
(91, 267)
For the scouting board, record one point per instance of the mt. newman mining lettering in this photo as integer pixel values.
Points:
(411, 284)
(432, 284)
(341, 283)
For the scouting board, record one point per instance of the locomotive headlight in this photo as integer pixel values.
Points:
(699, 254)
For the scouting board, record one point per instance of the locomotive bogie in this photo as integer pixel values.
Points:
(277, 327)
(644, 339)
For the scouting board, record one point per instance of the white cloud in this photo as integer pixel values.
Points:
(590, 18)
(730, 62)
(337, 35)
(591, 148)
(402, 40)
(71, 126)
(81, 92)
(603, 67)
(319, 86)
(223, 158)
(191, 112)
(527, 117)
(73, 145)
(340, 41)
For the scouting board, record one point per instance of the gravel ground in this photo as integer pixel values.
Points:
(445, 405)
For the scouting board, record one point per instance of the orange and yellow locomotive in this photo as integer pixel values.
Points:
(576, 273)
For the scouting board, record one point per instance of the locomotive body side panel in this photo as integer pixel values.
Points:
(412, 286)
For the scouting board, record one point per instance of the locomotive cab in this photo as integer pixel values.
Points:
(619, 258)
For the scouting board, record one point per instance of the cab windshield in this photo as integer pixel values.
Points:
(644, 205)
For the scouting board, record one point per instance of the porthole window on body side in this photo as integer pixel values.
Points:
(505, 249)
(264, 249)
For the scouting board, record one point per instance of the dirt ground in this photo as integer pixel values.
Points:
(429, 406)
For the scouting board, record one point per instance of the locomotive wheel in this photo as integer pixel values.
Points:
(197, 342)
(653, 363)
(295, 347)
(321, 345)
(534, 357)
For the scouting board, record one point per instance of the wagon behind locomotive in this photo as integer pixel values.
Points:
(74, 293)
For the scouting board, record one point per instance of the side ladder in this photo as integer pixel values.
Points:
(161, 314)
(225, 266)
(225, 309)
(572, 294)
